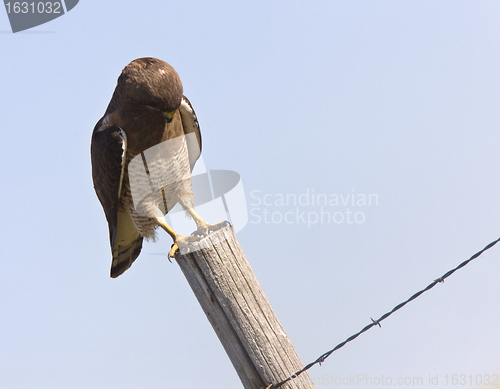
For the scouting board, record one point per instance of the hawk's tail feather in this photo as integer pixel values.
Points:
(125, 256)
(126, 244)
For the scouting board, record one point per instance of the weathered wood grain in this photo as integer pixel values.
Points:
(234, 303)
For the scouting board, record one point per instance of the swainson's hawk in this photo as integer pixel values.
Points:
(147, 108)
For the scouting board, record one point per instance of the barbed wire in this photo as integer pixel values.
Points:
(374, 323)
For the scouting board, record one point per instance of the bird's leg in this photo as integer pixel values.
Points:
(179, 240)
(203, 227)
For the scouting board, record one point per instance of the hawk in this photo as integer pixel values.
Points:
(147, 110)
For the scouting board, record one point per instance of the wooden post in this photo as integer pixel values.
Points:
(231, 297)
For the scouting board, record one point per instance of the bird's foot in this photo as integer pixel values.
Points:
(181, 243)
(204, 228)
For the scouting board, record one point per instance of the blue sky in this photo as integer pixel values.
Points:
(394, 99)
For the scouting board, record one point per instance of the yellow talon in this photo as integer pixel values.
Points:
(204, 228)
(173, 250)
(181, 241)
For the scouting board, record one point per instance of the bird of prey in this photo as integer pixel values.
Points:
(147, 109)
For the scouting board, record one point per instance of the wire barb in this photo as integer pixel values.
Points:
(376, 322)
(441, 279)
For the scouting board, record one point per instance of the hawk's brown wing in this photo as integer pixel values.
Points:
(108, 151)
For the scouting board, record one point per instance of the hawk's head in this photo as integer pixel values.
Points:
(152, 84)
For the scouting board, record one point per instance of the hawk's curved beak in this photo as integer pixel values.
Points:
(169, 116)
